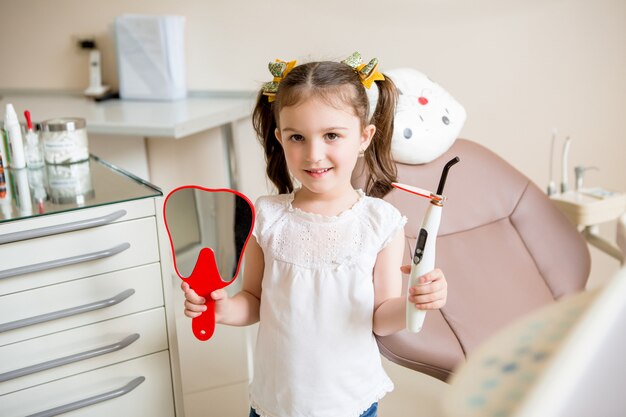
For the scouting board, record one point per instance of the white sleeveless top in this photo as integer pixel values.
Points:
(316, 355)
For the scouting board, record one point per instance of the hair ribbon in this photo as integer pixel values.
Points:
(367, 72)
(279, 69)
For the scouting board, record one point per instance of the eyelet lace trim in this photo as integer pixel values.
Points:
(313, 241)
(320, 217)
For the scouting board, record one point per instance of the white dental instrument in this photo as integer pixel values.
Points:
(424, 255)
(564, 168)
(552, 183)
(96, 88)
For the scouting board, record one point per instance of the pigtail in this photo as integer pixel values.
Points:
(381, 167)
(264, 123)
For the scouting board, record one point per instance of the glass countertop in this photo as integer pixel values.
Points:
(51, 189)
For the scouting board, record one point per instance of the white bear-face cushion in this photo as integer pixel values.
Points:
(427, 121)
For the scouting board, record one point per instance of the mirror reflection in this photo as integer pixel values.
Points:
(218, 219)
(31, 191)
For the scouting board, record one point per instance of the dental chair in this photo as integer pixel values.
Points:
(504, 247)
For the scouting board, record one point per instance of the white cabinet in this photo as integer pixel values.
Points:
(83, 323)
(140, 387)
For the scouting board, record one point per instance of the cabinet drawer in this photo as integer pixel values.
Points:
(53, 308)
(58, 355)
(151, 397)
(85, 218)
(136, 238)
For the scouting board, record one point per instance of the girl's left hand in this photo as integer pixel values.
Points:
(428, 295)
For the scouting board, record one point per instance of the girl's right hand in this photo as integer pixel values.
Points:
(194, 304)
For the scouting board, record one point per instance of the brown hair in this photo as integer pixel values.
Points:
(333, 82)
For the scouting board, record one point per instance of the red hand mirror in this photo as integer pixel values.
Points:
(208, 230)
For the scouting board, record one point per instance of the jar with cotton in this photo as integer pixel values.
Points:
(65, 140)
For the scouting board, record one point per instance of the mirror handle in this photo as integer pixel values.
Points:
(205, 279)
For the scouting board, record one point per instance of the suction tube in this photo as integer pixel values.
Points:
(424, 256)
(564, 168)
(551, 184)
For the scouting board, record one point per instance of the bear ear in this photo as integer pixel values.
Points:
(434, 122)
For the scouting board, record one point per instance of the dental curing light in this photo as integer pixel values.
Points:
(424, 256)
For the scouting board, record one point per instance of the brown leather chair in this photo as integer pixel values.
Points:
(504, 247)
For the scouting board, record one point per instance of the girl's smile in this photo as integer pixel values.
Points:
(317, 173)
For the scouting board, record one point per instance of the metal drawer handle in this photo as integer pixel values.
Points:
(77, 357)
(61, 228)
(91, 400)
(27, 269)
(72, 311)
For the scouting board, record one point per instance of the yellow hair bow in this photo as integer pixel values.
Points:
(279, 69)
(367, 72)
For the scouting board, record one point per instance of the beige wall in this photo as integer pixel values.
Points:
(519, 68)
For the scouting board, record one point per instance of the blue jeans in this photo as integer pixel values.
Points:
(370, 412)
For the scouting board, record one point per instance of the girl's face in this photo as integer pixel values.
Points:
(321, 144)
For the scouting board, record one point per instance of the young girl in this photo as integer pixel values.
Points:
(322, 269)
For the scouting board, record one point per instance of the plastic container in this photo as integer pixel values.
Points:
(14, 135)
(32, 145)
(65, 140)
